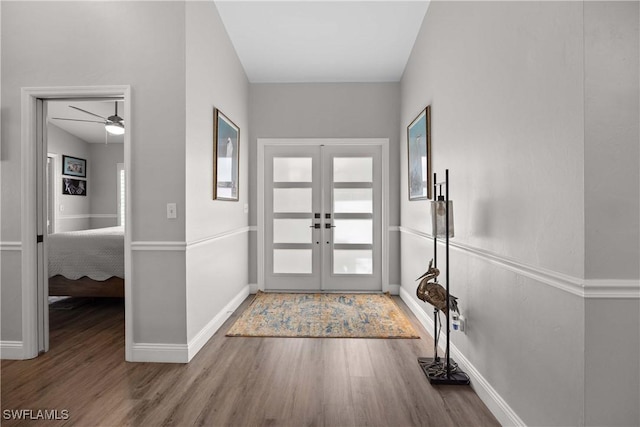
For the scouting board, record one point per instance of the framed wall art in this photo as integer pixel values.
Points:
(74, 166)
(74, 187)
(419, 155)
(226, 155)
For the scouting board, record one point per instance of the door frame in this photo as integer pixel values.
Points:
(30, 138)
(383, 143)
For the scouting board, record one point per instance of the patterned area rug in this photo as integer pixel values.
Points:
(323, 316)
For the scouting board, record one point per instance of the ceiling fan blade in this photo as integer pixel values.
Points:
(88, 112)
(77, 120)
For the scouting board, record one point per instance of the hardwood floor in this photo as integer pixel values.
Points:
(232, 381)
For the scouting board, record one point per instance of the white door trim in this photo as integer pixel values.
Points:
(382, 142)
(29, 97)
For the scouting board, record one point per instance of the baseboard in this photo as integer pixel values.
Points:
(160, 353)
(394, 289)
(202, 337)
(496, 404)
(11, 350)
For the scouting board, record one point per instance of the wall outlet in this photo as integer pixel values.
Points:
(172, 211)
(463, 324)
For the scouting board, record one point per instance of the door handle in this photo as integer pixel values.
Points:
(327, 225)
(314, 226)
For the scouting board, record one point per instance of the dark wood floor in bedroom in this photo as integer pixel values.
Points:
(233, 381)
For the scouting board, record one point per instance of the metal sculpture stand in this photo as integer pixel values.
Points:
(436, 370)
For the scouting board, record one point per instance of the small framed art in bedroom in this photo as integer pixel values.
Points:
(74, 187)
(74, 166)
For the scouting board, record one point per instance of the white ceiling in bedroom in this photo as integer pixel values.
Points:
(323, 41)
(93, 133)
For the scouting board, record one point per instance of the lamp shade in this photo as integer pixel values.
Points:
(115, 128)
(439, 215)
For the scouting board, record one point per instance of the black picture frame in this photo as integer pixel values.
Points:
(74, 166)
(74, 187)
(419, 156)
(226, 158)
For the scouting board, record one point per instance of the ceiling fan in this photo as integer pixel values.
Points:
(112, 124)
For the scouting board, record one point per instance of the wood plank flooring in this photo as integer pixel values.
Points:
(232, 381)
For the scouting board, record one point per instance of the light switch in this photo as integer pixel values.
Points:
(171, 211)
(246, 208)
(61, 208)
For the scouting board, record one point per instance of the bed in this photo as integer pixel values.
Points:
(87, 263)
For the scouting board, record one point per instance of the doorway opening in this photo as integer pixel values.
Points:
(63, 178)
(322, 215)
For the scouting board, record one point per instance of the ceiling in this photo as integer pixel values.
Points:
(323, 41)
(93, 133)
(295, 41)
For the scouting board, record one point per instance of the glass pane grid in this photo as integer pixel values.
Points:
(292, 231)
(353, 231)
(293, 261)
(353, 169)
(292, 200)
(352, 262)
(292, 169)
(352, 200)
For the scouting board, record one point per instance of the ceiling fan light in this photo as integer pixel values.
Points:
(115, 128)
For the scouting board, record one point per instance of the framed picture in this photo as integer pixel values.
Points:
(74, 166)
(226, 155)
(419, 154)
(74, 187)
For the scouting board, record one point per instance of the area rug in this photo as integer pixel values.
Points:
(323, 316)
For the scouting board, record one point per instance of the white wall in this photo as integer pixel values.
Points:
(342, 110)
(535, 113)
(216, 231)
(137, 43)
(104, 183)
(504, 80)
(77, 209)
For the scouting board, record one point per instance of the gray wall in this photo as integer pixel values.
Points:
(611, 163)
(77, 209)
(504, 80)
(612, 175)
(99, 207)
(103, 175)
(535, 112)
(344, 110)
(137, 43)
(217, 266)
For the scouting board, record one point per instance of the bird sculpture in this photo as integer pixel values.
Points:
(433, 292)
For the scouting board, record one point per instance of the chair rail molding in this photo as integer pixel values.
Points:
(585, 288)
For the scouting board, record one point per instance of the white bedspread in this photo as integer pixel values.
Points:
(98, 253)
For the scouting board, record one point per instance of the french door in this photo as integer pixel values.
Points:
(323, 227)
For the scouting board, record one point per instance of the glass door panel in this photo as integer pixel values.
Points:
(323, 225)
(292, 208)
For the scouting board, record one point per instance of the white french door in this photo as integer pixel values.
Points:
(323, 217)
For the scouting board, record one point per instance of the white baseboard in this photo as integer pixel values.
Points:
(394, 289)
(183, 353)
(202, 337)
(496, 404)
(160, 353)
(11, 350)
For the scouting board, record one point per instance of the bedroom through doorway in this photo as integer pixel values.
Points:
(76, 187)
(85, 184)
